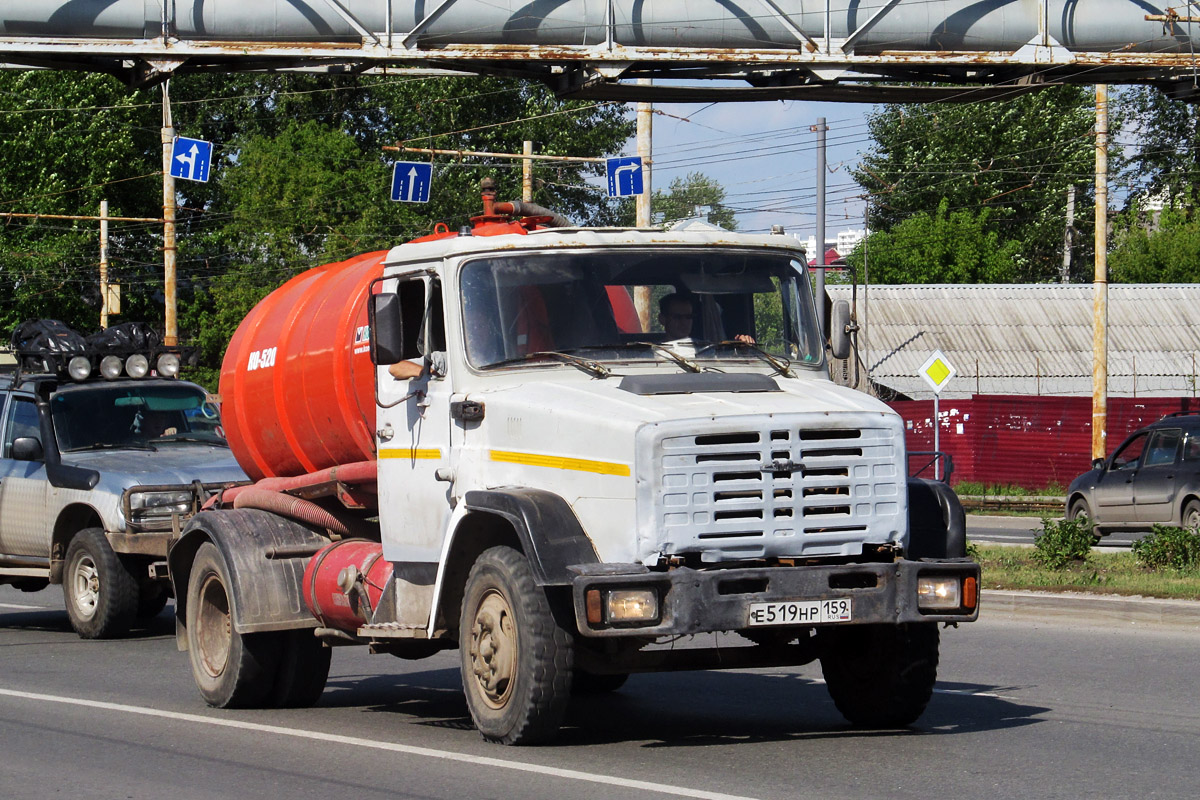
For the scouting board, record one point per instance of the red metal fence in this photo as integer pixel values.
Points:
(1034, 442)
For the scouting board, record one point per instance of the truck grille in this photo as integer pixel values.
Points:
(784, 490)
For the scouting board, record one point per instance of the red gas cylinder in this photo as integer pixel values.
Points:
(297, 383)
(344, 581)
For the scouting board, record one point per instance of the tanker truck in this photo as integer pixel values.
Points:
(484, 440)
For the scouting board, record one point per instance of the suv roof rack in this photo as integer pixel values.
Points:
(1182, 414)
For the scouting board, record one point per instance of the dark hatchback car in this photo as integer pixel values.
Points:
(1153, 478)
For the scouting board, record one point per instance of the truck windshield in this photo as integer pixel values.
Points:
(705, 304)
(143, 416)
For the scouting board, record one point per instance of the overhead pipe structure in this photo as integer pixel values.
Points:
(834, 49)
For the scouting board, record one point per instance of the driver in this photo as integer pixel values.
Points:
(675, 313)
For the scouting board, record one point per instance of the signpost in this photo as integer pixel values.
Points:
(411, 181)
(624, 176)
(190, 159)
(937, 372)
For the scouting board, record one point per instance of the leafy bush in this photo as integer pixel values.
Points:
(1063, 542)
(1169, 548)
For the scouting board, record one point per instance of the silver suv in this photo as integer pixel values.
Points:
(97, 474)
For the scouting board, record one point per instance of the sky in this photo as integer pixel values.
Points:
(764, 154)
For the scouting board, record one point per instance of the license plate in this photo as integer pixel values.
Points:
(793, 612)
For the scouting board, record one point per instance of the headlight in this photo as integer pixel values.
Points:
(160, 504)
(167, 365)
(137, 365)
(110, 367)
(938, 592)
(79, 368)
(622, 606)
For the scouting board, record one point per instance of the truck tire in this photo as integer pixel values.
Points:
(232, 670)
(101, 594)
(516, 660)
(303, 670)
(880, 676)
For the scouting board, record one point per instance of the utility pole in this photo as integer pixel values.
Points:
(103, 264)
(527, 172)
(1068, 237)
(171, 334)
(1100, 283)
(820, 128)
(645, 116)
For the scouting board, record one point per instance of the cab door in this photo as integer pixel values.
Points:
(413, 429)
(24, 521)
(1114, 487)
(1157, 481)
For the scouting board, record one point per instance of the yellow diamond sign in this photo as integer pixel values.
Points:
(937, 371)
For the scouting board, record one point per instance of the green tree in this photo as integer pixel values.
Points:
(1168, 254)
(70, 141)
(1164, 157)
(1013, 158)
(686, 195)
(943, 247)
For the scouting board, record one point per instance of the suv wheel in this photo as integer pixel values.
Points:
(100, 593)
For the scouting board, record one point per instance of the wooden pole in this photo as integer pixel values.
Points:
(171, 330)
(103, 263)
(1100, 283)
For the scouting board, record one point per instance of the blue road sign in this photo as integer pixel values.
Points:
(411, 182)
(624, 176)
(190, 159)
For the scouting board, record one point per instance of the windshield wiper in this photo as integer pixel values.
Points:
(585, 364)
(782, 366)
(110, 446)
(199, 439)
(681, 360)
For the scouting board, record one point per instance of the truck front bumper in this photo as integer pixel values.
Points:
(703, 601)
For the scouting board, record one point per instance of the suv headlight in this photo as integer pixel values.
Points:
(160, 504)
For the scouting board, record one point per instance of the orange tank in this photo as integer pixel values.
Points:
(297, 382)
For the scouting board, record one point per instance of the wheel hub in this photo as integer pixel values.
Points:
(86, 583)
(493, 649)
(214, 632)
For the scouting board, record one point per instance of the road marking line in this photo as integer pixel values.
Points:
(20, 605)
(425, 752)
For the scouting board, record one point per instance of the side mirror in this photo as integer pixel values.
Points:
(27, 448)
(387, 329)
(1098, 463)
(839, 334)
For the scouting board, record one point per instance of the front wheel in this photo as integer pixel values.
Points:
(1081, 513)
(880, 676)
(231, 669)
(516, 660)
(101, 594)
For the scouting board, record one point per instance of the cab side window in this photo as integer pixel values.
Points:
(1191, 448)
(1127, 457)
(21, 420)
(1163, 446)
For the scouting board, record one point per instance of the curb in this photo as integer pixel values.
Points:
(1089, 609)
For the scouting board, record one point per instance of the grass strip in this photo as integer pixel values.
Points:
(1101, 573)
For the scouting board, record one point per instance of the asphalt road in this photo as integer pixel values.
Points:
(1021, 530)
(1022, 709)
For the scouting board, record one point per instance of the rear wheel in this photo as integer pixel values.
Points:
(303, 670)
(101, 594)
(880, 676)
(1191, 515)
(516, 660)
(232, 670)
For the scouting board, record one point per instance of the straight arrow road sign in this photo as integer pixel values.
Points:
(411, 182)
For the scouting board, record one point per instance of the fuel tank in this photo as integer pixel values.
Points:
(344, 581)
